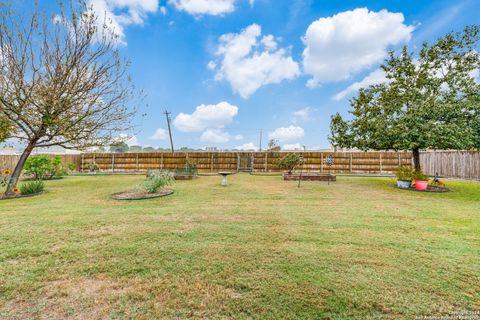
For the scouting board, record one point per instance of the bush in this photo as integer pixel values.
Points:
(32, 187)
(92, 167)
(44, 167)
(290, 161)
(189, 169)
(157, 180)
(419, 175)
(404, 173)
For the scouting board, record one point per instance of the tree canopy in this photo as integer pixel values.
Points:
(63, 81)
(431, 101)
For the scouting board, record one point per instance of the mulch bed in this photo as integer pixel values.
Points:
(429, 189)
(19, 196)
(140, 195)
(185, 177)
(310, 177)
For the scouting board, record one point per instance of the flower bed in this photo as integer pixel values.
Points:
(310, 177)
(429, 189)
(18, 195)
(185, 177)
(141, 195)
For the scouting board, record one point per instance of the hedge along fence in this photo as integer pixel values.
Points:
(344, 162)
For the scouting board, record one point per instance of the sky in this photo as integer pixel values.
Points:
(230, 69)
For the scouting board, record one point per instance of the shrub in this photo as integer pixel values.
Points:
(157, 180)
(92, 167)
(32, 187)
(190, 169)
(71, 167)
(419, 175)
(290, 161)
(404, 173)
(44, 167)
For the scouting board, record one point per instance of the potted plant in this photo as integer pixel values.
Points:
(404, 177)
(421, 180)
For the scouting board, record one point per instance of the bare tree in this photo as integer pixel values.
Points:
(62, 82)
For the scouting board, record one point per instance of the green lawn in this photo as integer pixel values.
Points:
(260, 248)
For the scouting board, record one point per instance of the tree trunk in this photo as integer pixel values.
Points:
(416, 159)
(19, 167)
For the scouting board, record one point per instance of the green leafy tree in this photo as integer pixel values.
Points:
(63, 81)
(428, 102)
(290, 161)
(120, 147)
(135, 149)
(5, 128)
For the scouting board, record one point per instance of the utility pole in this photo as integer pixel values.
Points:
(167, 114)
(261, 140)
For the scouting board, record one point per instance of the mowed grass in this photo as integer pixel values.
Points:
(260, 248)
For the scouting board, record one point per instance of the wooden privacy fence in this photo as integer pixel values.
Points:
(344, 162)
(10, 161)
(455, 164)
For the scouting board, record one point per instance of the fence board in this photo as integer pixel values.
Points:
(455, 164)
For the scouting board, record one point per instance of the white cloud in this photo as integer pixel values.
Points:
(211, 65)
(131, 140)
(246, 147)
(215, 136)
(375, 77)
(203, 7)
(160, 134)
(249, 62)
(118, 14)
(301, 115)
(287, 133)
(206, 116)
(238, 137)
(342, 45)
(294, 146)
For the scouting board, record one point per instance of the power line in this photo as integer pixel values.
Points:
(167, 114)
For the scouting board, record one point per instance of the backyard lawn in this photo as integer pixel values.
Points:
(260, 248)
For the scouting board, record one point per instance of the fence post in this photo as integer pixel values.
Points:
(351, 160)
(238, 161)
(81, 164)
(211, 163)
(321, 162)
(399, 161)
(137, 163)
(381, 164)
(266, 162)
(113, 162)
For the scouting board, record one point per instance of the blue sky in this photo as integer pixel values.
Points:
(227, 69)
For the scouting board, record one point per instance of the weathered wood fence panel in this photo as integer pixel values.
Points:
(455, 164)
(8, 161)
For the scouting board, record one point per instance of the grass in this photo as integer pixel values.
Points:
(260, 248)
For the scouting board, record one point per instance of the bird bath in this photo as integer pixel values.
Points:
(225, 175)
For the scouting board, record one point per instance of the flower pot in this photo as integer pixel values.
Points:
(421, 185)
(404, 184)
